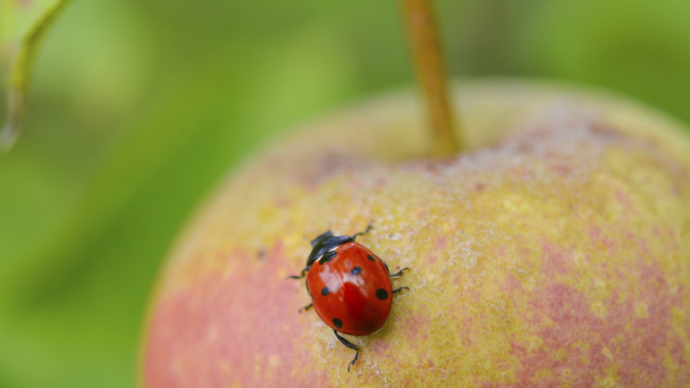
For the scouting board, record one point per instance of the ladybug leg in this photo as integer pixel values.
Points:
(305, 308)
(400, 289)
(399, 273)
(369, 227)
(395, 275)
(349, 345)
(301, 275)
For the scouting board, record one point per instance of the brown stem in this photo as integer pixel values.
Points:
(426, 50)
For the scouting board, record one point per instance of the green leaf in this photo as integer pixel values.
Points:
(24, 24)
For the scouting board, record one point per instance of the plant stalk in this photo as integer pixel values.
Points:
(431, 73)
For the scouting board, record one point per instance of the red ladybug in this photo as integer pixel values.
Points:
(349, 285)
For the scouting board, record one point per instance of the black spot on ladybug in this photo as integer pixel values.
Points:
(325, 291)
(337, 323)
(382, 294)
(370, 257)
(356, 270)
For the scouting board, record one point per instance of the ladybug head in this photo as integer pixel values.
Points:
(325, 243)
(321, 238)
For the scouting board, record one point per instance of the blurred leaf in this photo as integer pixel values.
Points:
(24, 24)
(636, 47)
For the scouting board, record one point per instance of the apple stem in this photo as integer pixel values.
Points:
(426, 51)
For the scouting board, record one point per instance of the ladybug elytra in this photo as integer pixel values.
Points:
(349, 285)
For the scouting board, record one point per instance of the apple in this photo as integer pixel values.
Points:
(554, 252)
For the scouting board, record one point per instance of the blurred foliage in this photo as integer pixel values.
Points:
(139, 107)
(24, 25)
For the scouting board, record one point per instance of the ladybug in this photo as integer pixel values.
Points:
(350, 287)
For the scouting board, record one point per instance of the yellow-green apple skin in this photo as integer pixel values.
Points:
(555, 252)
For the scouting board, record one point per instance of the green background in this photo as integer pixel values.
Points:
(139, 107)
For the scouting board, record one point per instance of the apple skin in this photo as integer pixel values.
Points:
(554, 253)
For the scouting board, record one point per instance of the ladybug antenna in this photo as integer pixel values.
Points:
(369, 227)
